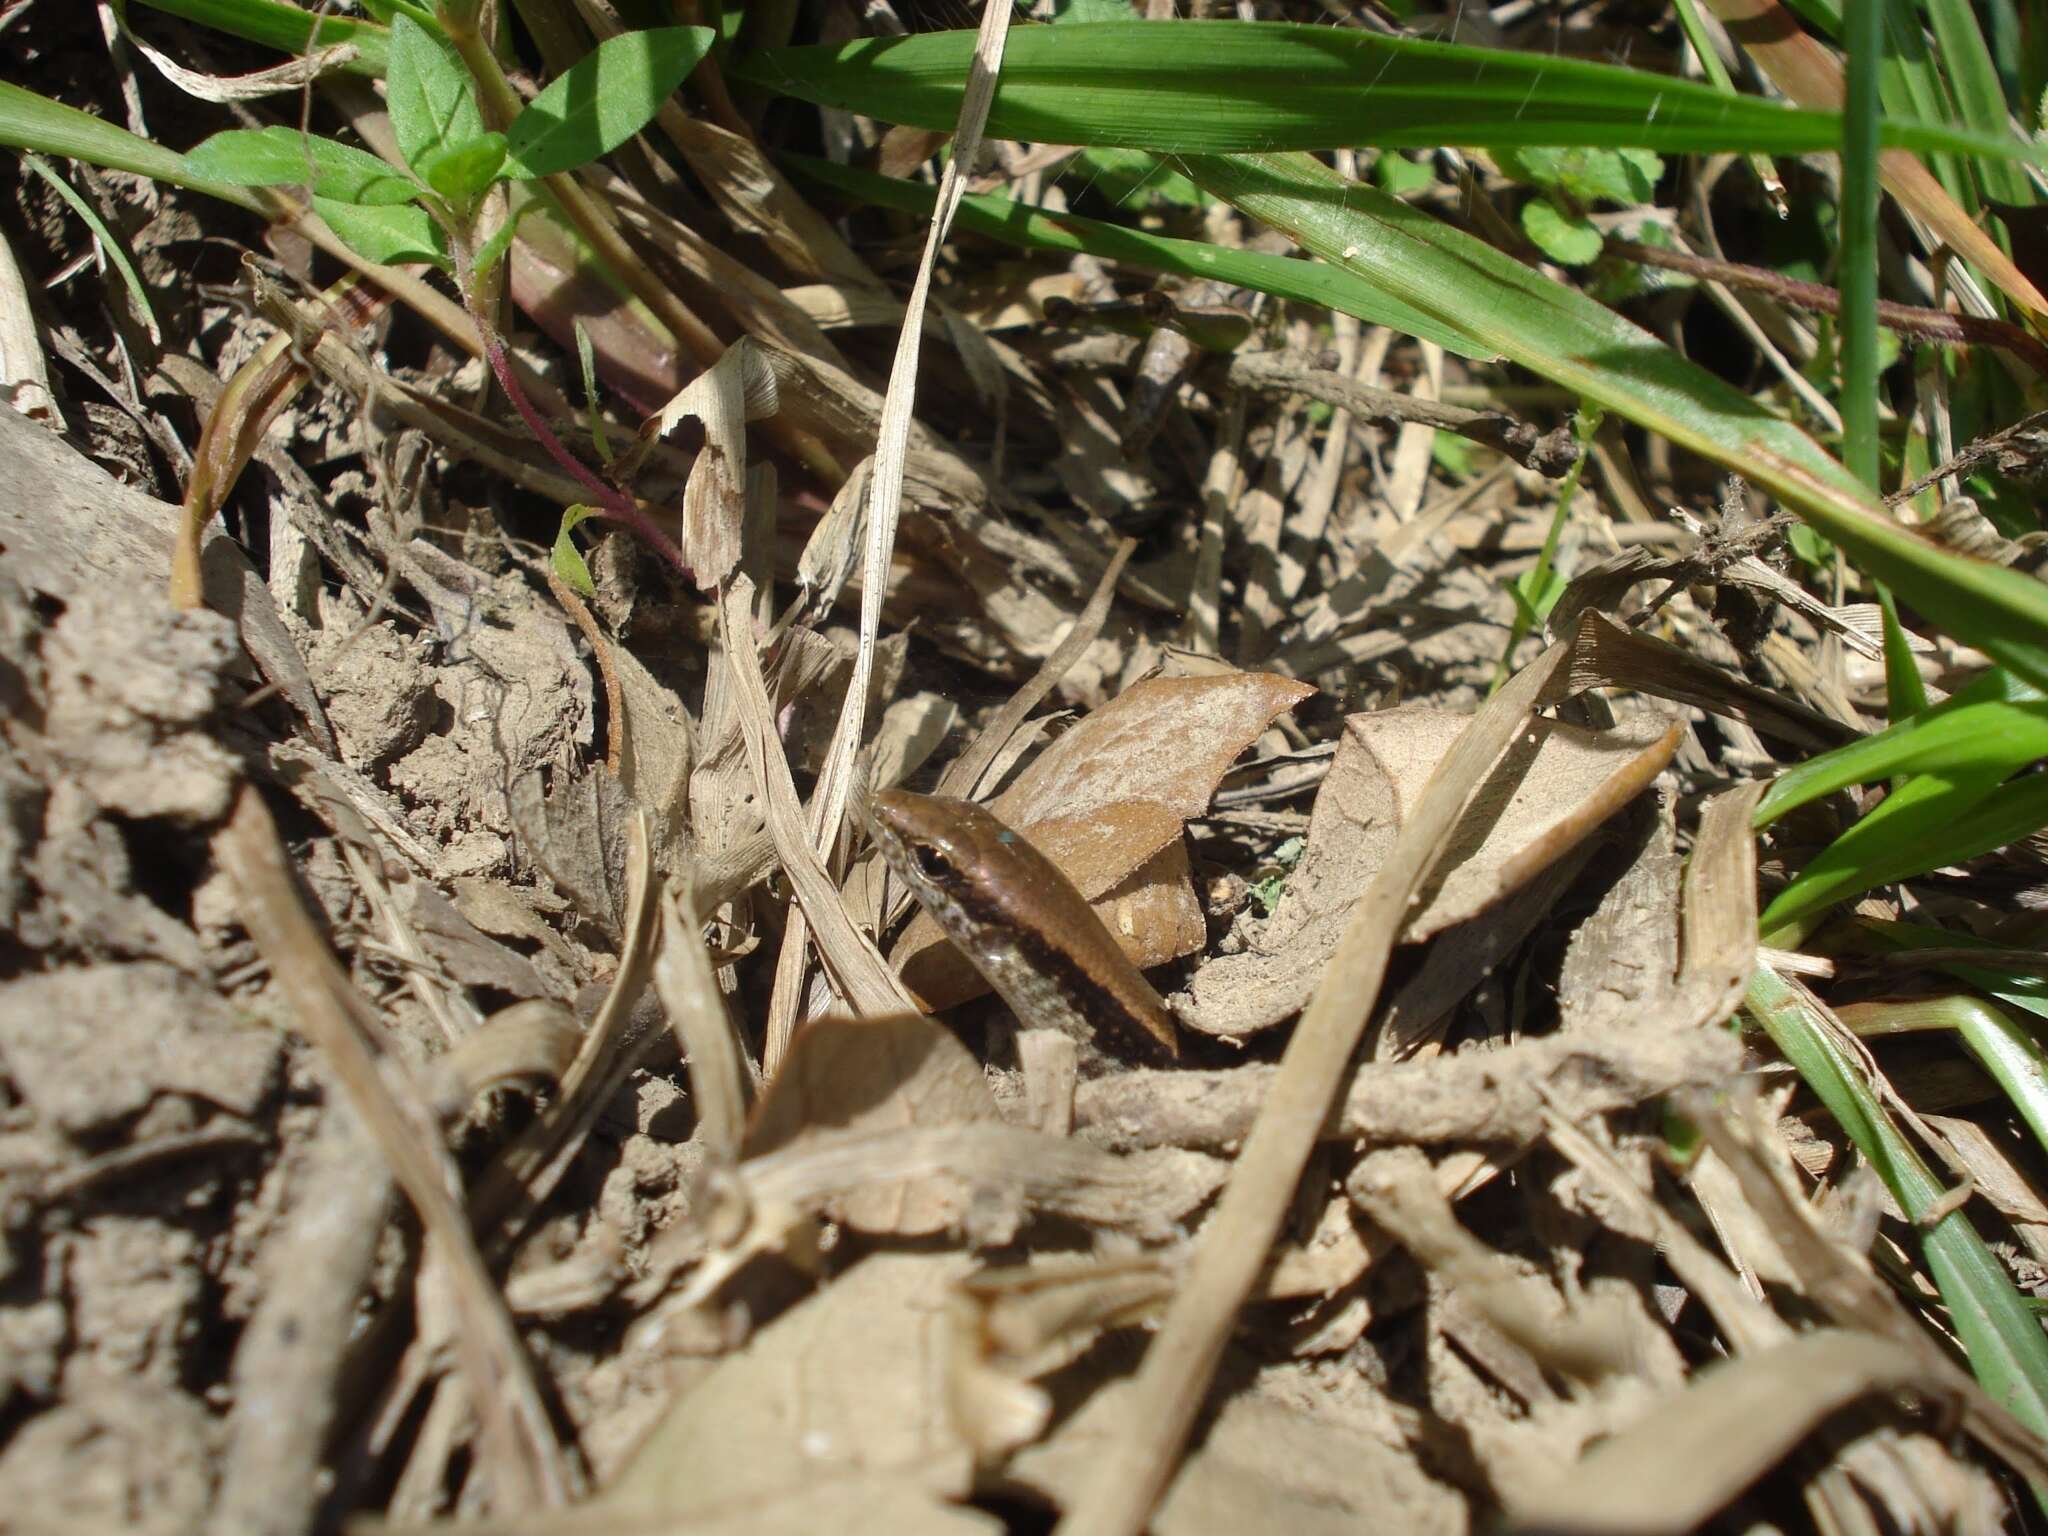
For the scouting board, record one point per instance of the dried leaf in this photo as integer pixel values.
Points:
(1549, 790)
(847, 1384)
(895, 1072)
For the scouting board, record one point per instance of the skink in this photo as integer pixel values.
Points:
(1021, 922)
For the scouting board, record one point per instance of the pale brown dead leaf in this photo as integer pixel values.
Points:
(895, 1072)
(1551, 788)
(847, 1384)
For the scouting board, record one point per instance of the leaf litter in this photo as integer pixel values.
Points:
(461, 1060)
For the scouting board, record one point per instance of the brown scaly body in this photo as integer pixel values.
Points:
(1021, 922)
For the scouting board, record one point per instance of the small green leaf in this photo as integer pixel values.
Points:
(1566, 238)
(1536, 592)
(428, 92)
(385, 234)
(388, 11)
(586, 357)
(1129, 177)
(1451, 454)
(1397, 174)
(462, 172)
(603, 99)
(568, 558)
(493, 250)
(285, 157)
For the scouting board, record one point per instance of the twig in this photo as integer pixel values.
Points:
(1910, 319)
(1283, 373)
(521, 1454)
(1971, 455)
(291, 1352)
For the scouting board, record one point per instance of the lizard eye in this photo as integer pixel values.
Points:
(930, 863)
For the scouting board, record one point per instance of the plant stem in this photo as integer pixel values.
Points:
(500, 106)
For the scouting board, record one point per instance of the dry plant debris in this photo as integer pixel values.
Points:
(464, 1063)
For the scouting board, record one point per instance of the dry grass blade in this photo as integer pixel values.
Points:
(611, 1047)
(856, 968)
(885, 504)
(688, 988)
(1675, 1469)
(1175, 1377)
(963, 776)
(885, 510)
(522, 1457)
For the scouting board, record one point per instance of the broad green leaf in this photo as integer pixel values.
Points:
(1997, 724)
(287, 28)
(1287, 277)
(1505, 308)
(463, 172)
(284, 157)
(568, 559)
(1568, 238)
(428, 91)
(1927, 823)
(392, 234)
(2007, 1350)
(603, 99)
(1207, 87)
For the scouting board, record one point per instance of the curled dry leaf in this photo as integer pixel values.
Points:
(740, 387)
(1549, 790)
(1106, 803)
(1011, 1325)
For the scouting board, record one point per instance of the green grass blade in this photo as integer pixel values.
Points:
(1928, 822)
(1998, 724)
(2019, 985)
(116, 251)
(1286, 277)
(2007, 1350)
(32, 122)
(1199, 87)
(1966, 61)
(284, 27)
(1515, 311)
(1857, 234)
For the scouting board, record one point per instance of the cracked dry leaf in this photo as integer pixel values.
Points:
(1549, 791)
(1107, 802)
(844, 1392)
(891, 1073)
